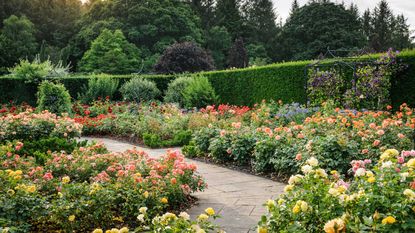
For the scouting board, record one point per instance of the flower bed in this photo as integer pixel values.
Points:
(378, 198)
(336, 137)
(90, 188)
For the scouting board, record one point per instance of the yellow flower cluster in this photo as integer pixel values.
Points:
(300, 206)
(113, 230)
(388, 154)
(337, 191)
(17, 175)
(26, 188)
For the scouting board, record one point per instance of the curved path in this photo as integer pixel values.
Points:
(238, 197)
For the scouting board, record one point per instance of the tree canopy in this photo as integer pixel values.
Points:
(111, 53)
(66, 29)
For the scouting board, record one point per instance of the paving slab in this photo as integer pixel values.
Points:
(238, 197)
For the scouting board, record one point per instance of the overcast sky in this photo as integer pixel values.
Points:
(406, 7)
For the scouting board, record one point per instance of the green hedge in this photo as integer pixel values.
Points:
(285, 81)
(19, 91)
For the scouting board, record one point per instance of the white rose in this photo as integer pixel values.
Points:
(140, 217)
(184, 215)
(360, 172)
(306, 169)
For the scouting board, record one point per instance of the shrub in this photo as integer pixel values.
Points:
(139, 90)
(199, 93)
(174, 92)
(184, 57)
(36, 71)
(29, 126)
(91, 188)
(99, 86)
(54, 98)
(378, 199)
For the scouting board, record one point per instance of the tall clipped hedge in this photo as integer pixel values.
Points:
(285, 81)
(248, 86)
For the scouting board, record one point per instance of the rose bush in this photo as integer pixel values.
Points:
(90, 188)
(378, 198)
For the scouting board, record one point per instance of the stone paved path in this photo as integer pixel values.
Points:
(238, 197)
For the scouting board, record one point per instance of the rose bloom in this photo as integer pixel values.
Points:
(298, 157)
(376, 143)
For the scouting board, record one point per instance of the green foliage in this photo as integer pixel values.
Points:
(174, 92)
(307, 33)
(199, 93)
(54, 98)
(139, 90)
(99, 86)
(41, 148)
(17, 40)
(218, 42)
(37, 70)
(111, 53)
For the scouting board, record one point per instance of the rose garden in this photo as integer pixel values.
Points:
(166, 116)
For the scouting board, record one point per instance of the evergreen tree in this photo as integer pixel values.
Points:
(382, 19)
(261, 19)
(401, 36)
(218, 42)
(294, 7)
(17, 40)
(229, 16)
(111, 53)
(238, 56)
(206, 12)
(319, 25)
(366, 26)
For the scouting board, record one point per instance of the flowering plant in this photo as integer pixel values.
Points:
(29, 125)
(90, 188)
(380, 199)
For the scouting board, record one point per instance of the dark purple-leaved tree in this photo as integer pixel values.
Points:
(184, 57)
(238, 56)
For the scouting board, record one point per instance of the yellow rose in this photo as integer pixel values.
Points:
(97, 231)
(145, 194)
(280, 201)
(31, 188)
(371, 179)
(388, 220)
(304, 206)
(202, 217)
(262, 230)
(296, 209)
(66, 179)
(115, 230)
(124, 230)
(411, 163)
(164, 200)
(71, 218)
(288, 188)
(210, 211)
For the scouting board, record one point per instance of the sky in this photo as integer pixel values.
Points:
(405, 7)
